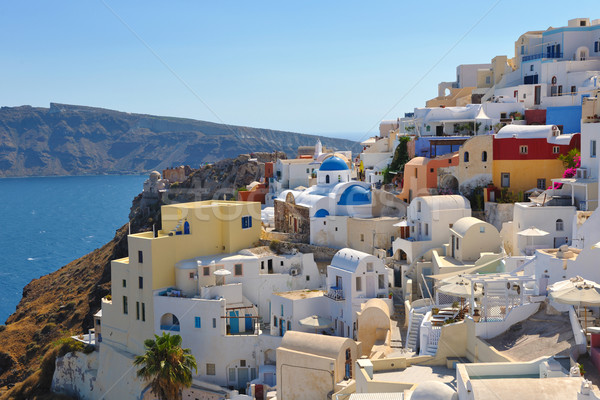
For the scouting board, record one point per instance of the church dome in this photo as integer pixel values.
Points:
(355, 195)
(333, 164)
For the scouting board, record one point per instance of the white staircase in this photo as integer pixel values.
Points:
(432, 340)
(412, 337)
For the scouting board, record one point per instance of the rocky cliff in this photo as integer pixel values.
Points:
(73, 140)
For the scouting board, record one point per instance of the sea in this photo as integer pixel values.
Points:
(47, 222)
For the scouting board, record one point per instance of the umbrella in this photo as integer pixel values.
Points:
(314, 321)
(460, 289)
(580, 293)
(223, 273)
(533, 232)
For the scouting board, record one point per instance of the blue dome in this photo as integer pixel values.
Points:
(333, 164)
(355, 195)
(321, 213)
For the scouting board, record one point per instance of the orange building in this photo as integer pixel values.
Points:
(422, 176)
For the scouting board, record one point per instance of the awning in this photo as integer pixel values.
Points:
(403, 224)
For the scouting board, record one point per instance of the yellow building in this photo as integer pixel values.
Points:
(188, 230)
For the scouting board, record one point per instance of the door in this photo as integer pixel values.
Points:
(439, 130)
(234, 322)
(243, 376)
(537, 95)
(370, 286)
(338, 282)
(270, 265)
(295, 225)
(249, 327)
(453, 245)
(559, 241)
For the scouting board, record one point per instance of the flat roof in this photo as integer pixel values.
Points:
(527, 388)
(419, 374)
(301, 294)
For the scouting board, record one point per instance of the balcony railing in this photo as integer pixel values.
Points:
(335, 293)
(542, 55)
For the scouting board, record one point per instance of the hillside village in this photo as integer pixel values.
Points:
(453, 258)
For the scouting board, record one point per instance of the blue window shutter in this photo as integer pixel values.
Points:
(249, 222)
(198, 322)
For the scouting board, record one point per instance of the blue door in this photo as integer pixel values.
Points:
(234, 323)
(249, 324)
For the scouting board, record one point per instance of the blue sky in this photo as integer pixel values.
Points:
(334, 68)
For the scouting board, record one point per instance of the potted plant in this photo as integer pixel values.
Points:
(435, 311)
(476, 315)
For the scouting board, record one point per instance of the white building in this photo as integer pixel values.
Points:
(429, 218)
(353, 277)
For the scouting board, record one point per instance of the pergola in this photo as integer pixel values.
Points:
(434, 143)
(500, 293)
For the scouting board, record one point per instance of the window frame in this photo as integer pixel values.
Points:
(241, 270)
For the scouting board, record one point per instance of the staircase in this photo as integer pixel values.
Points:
(412, 340)
(432, 340)
(398, 317)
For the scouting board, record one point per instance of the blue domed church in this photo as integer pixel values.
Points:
(319, 214)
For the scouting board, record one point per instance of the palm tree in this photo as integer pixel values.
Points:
(166, 366)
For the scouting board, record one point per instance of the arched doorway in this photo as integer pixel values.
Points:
(448, 184)
(169, 322)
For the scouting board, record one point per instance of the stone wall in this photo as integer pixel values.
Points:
(293, 219)
(498, 213)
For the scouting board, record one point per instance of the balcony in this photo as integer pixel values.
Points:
(335, 293)
(170, 328)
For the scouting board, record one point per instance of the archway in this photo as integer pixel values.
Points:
(169, 322)
(448, 184)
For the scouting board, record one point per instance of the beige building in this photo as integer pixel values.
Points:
(470, 237)
(475, 160)
(312, 366)
(374, 328)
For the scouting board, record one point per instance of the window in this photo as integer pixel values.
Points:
(418, 206)
(275, 321)
(238, 270)
(516, 94)
(307, 170)
(191, 275)
(125, 307)
(246, 222)
(484, 156)
(531, 67)
(307, 278)
(593, 148)
(197, 322)
(466, 157)
(210, 369)
(137, 310)
(358, 284)
(555, 149)
(553, 80)
(362, 237)
(143, 311)
(428, 128)
(573, 89)
(416, 173)
(560, 90)
(339, 178)
(430, 169)
(505, 179)
(124, 282)
(482, 229)
(488, 80)
(232, 375)
(336, 228)
(523, 149)
(457, 240)
(381, 281)
(560, 225)
(597, 46)
(214, 322)
(140, 257)
(206, 271)
(326, 178)
(262, 265)
(242, 363)
(141, 281)
(541, 183)
(522, 49)
(282, 310)
(369, 267)
(503, 115)
(289, 323)
(281, 263)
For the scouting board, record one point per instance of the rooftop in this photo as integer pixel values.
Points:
(301, 294)
(526, 388)
(418, 374)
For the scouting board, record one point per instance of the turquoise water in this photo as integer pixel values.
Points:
(47, 222)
